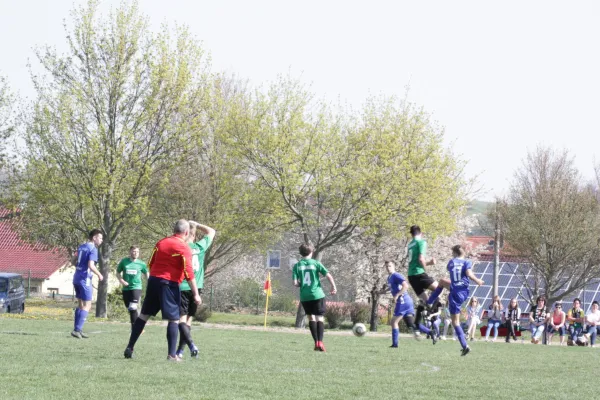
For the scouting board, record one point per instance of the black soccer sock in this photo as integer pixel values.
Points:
(186, 335)
(312, 325)
(320, 330)
(420, 309)
(136, 331)
(172, 332)
(133, 316)
(408, 320)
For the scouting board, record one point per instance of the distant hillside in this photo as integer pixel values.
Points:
(477, 210)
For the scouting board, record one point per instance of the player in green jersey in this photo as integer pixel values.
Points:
(417, 277)
(129, 274)
(306, 275)
(188, 307)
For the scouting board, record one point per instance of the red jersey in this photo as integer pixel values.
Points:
(171, 260)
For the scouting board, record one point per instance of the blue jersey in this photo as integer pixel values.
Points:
(457, 267)
(395, 282)
(85, 253)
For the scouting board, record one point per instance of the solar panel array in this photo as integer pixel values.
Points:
(511, 284)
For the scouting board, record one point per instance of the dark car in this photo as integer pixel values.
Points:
(12, 293)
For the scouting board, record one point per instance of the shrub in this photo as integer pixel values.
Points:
(335, 314)
(203, 313)
(283, 302)
(115, 307)
(360, 312)
(247, 292)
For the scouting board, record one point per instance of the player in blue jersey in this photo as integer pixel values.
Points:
(460, 270)
(85, 268)
(404, 308)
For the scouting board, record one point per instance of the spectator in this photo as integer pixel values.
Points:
(557, 324)
(576, 318)
(447, 320)
(537, 319)
(435, 318)
(473, 317)
(494, 318)
(593, 323)
(512, 317)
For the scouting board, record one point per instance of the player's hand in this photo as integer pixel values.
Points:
(197, 299)
(479, 282)
(100, 277)
(333, 291)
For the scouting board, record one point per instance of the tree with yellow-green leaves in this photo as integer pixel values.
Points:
(336, 175)
(112, 119)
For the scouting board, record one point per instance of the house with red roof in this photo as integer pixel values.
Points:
(45, 271)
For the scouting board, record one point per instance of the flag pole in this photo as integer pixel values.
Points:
(268, 290)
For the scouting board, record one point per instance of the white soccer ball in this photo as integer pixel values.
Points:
(359, 329)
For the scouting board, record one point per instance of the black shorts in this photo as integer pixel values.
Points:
(314, 307)
(131, 298)
(188, 305)
(420, 282)
(162, 295)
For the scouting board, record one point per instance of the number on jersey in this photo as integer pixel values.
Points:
(306, 281)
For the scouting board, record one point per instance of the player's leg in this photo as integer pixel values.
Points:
(170, 303)
(455, 301)
(85, 305)
(77, 289)
(395, 329)
(193, 308)
(184, 337)
(460, 335)
(151, 306)
(312, 320)
(320, 312)
(437, 290)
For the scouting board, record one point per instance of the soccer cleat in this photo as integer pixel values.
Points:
(83, 335)
(128, 353)
(442, 338)
(179, 354)
(433, 338)
(76, 334)
(194, 352)
(321, 346)
(394, 346)
(173, 358)
(465, 351)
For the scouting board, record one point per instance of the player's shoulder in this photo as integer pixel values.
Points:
(398, 275)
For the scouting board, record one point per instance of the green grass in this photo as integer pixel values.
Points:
(40, 360)
(251, 319)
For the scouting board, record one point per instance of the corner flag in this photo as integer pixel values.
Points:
(268, 292)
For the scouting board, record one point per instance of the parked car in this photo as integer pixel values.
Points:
(12, 293)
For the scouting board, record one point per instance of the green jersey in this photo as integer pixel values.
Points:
(416, 248)
(132, 271)
(198, 252)
(306, 271)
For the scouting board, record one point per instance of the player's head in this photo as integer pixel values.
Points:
(192, 234)
(95, 236)
(576, 303)
(595, 306)
(306, 250)
(134, 252)
(181, 227)
(390, 266)
(541, 301)
(458, 251)
(415, 231)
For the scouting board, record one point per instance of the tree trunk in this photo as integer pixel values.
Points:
(374, 308)
(104, 264)
(300, 317)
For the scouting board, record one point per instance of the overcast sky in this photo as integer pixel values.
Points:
(501, 78)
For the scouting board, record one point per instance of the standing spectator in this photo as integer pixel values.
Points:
(557, 324)
(593, 323)
(576, 318)
(473, 317)
(170, 263)
(512, 317)
(537, 319)
(494, 318)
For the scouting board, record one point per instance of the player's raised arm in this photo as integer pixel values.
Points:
(205, 229)
(471, 275)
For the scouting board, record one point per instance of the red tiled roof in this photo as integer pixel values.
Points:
(20, 257)
(484, 251)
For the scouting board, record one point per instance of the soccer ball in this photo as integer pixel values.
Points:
(359, 329)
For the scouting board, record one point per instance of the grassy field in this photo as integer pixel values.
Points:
(41, 361)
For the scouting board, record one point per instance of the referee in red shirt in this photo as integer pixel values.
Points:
(171, 262)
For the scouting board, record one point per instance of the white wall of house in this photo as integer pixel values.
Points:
(61, 282)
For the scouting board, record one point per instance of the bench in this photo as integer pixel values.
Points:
(502, 331)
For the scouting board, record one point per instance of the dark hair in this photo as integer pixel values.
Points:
(458, 250)
(415, 230)
(541, 297)
(135, 246)
(576, 299)
(386, 262)
(305, 250)
(595, 302)
(93, 233)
